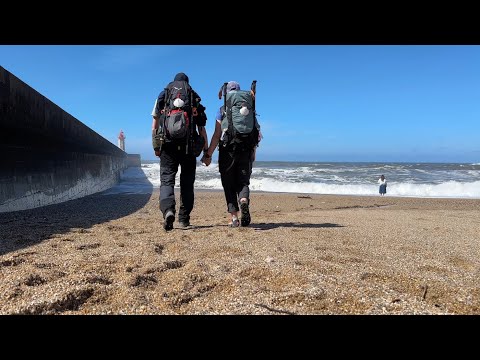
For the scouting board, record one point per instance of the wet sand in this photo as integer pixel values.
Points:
(302, 254)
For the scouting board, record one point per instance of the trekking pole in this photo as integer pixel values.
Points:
(225, 97)
(254, 90)
(224, 91)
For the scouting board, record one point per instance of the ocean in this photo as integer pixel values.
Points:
(424, 180)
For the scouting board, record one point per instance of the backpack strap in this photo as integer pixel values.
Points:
(254, 96)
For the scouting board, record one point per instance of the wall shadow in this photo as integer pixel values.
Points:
(21, 229)
(265, 226)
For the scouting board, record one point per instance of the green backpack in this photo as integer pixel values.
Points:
(239, 121)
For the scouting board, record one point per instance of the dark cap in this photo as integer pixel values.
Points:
(181, 77)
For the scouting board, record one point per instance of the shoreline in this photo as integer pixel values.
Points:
(315, 254)
(341, 195)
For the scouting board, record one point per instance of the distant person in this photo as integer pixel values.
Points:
(383, 185)
(236, 152)
(176, 113)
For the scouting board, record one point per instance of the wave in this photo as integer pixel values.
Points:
(147, 177)
(448, 189)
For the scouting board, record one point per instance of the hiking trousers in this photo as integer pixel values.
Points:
(171, 157)
(235, 171)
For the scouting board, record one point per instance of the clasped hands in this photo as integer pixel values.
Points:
(206, 159)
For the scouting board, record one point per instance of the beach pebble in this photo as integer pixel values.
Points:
(347, 256)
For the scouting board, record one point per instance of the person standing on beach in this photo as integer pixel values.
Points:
(235, 160)
(175, 141)
(383, 185)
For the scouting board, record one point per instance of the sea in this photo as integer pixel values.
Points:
(422, 180)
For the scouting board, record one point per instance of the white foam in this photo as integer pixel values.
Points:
(147, 178)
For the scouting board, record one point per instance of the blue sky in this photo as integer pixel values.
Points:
(418, 103)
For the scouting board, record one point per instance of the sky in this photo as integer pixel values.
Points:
(373, 103)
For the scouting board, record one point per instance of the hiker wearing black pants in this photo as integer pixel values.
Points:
(170, 158)
(235, 171)
(174, 154)
(235, 166)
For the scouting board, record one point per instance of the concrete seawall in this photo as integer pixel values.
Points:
(47, 155)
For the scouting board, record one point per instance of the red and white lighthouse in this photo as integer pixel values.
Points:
(121, 140)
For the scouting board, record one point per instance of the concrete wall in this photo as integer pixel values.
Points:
(46, 155)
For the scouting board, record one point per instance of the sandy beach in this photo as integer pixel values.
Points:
(302, 254)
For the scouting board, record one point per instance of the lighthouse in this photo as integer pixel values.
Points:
(121, 140)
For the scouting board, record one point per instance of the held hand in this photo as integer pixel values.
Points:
(206, 161)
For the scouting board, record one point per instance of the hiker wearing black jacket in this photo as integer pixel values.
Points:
(173, 154)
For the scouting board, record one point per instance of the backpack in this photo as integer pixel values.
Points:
(178, 98)
(239, 123)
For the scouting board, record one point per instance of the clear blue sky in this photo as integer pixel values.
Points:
(380, 103)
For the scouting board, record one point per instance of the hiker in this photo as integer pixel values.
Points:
(176, 113)
(383, 185)
(236, 153)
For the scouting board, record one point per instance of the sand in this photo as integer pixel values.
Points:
(302, 254)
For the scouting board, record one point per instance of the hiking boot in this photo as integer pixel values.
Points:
(245, 221)
(184, 224)
(169, 219)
